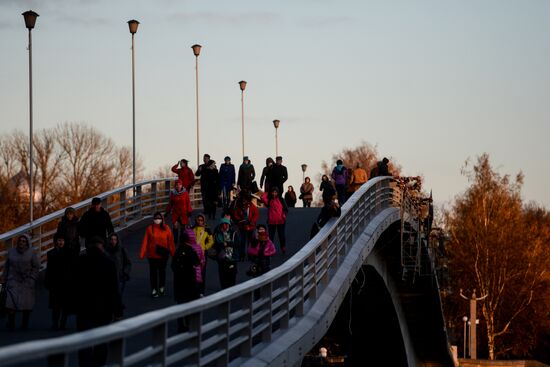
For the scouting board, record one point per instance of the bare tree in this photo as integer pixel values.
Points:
(491, 250)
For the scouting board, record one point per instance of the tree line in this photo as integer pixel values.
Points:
(71, 162)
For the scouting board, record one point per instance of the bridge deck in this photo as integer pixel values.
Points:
(137, 294)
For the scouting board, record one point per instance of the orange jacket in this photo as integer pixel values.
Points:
(359, 178)
(154, 235)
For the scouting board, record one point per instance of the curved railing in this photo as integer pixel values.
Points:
(231, 325)
(124, 208)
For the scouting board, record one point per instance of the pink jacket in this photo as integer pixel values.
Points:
(198, 249)
(254, 248)
(275, 210)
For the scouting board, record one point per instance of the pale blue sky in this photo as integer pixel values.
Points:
(430, 83)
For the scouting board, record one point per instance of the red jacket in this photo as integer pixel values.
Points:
(180, 206)
(186, 176)
(248, 223)
(254, 248)
(154, 235)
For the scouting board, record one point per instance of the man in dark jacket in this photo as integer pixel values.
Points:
(227, 180)
(279, 174)
(98, 300)
(95, 222)
(210, 185)
(246, 175)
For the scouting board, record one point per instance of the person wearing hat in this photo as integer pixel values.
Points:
(246, 175)
(68, 229)
(226, 253)
(95, 222)
(210, 185)
(279, 175)
(185, 174)
(227, 180)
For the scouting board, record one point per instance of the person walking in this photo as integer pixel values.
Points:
(227, 181)
(58, 281)
(179, 205)
(95, 222)
(340, 177)
(68, 229)
(330, 210)
(266, 174)
(116, 252)
(327, 189)
(260, 251)
(246, 175)
(225, 252)
(20, 273)
(380, 169)
(183, 266)
(290, 197)
(210, 185)
(201, 268)
(245, 214)
(205, 240)
(306, 192)
(276, 216)
(359, 177)
(157, 246)
(185, 174)
(98, 301)
(279, 175)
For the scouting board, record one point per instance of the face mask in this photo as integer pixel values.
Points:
(157, 221)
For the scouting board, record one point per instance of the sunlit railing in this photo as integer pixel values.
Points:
(227, 327)
(124, 208)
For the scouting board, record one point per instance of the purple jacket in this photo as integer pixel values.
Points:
(340, 177)
(200, 253)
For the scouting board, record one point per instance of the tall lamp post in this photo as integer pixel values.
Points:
(133, 26)
(30, 20)
(304, 168)
(473, 321)
(276, 125)
(242, 85)
(197, 51)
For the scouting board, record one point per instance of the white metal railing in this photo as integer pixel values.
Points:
(227, 327)
(122, 205)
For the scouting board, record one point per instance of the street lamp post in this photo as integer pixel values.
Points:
(197, 51)
(465, 320)
(133, 26)
(242, 85)
(30, 20)
(304, 168)
(473, 321)
(276, 125)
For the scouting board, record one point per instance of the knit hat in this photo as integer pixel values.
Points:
(225, 220)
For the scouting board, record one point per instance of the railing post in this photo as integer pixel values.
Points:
(286, 294)
(267, 292)
(159, 339)
(122, 204)
(138, 201)
(246, 347)
(115, 352)
(301, 294)
(154, 195)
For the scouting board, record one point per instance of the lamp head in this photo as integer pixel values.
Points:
(304, 167)
(30, 19)
(196, 50)
(276, 123)
(242, 85)
(133, 25)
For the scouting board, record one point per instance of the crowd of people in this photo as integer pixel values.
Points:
(90, 283)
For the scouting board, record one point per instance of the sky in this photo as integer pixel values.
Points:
(429, 83)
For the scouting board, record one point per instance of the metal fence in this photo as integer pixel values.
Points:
(124, 208)
(233, 324)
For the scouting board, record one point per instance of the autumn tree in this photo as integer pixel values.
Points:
(496, 248)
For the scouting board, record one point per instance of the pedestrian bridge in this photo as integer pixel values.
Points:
(276, 319)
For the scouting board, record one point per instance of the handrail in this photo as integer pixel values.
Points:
(234, 323)
(124, 208)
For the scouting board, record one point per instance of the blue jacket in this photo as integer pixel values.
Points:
(227, 175)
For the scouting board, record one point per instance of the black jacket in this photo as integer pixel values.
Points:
(185, 282)
(95, 223)
(68, 229)
(278, 176)
(210, 178)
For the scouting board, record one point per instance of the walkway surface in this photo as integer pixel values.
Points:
(137, 296)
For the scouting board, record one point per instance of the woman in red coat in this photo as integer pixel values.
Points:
(157, 246)
(180, 207)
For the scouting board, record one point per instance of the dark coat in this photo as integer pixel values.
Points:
(246, 176)
(210, 179)
(98, 299)
(290, 199)
(266, 177)
(328, 190)
(58, 277)
(227, 175)
(278, 176)
(68, 229)
(95, 223)
(119, 255)
(183, 265)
